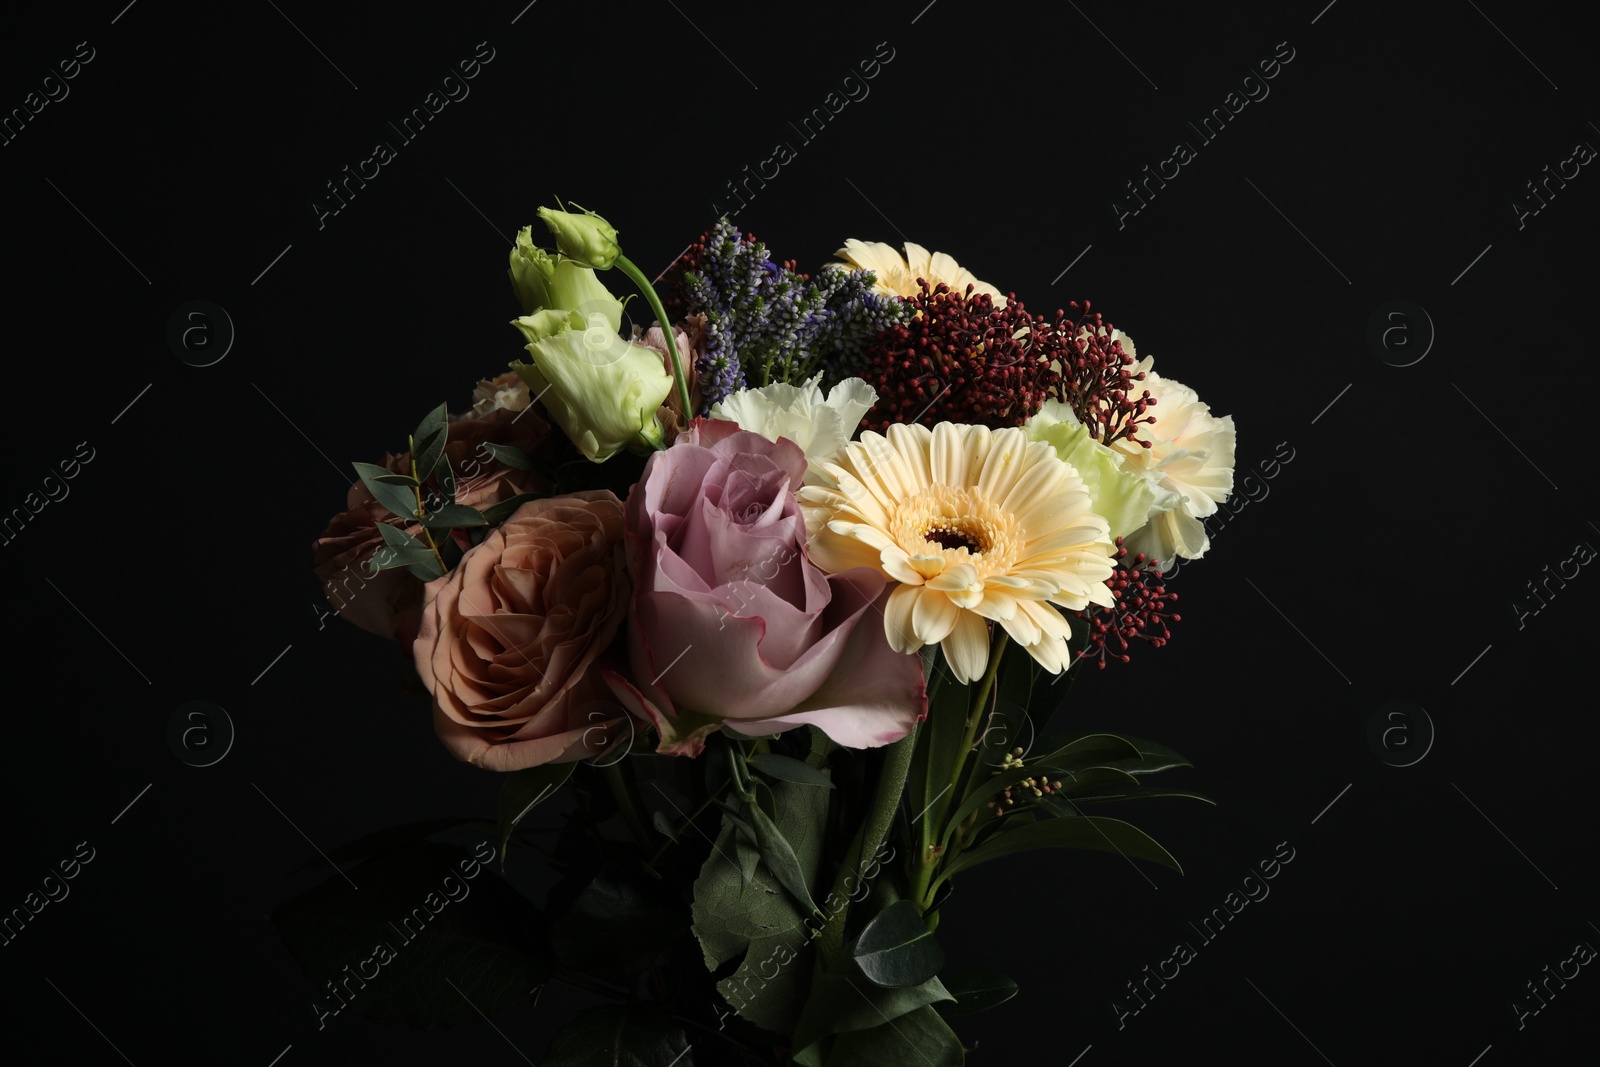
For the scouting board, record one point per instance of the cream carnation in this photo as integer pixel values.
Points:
(820, 425)
(1191, 455)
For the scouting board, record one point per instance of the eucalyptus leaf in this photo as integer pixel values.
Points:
(427, 570)
(506, 508)
(387, 557)
(446, 478)
(395, 537)
(897, 949)
(620, 1035)
(395, 492)
(524, 790)
(427, 443)
(976, 991)
(454, 517)
(788, 769)
(511, 456)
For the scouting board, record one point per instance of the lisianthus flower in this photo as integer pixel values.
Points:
(974, 524)
(603, 391)
(1118, 489)
(1191, 454)
(819, 425)
(897, 275)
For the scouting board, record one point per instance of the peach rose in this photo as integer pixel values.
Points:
(387, 603)
(508, 638)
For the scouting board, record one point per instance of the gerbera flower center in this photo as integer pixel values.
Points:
(944, 525)
(947, 534)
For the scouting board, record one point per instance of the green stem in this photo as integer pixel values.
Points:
(425, 531)
(979, 703)
(628, 267)
(929, 859)
(869, 837)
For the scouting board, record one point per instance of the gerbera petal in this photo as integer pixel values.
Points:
(898, 625)
(967, 648)
(934, 616)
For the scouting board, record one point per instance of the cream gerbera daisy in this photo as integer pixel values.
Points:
(973, 524)
(897, 275)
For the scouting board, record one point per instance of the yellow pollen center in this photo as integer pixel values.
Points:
(943, 526)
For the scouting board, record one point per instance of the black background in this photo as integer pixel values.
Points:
(1380, 564)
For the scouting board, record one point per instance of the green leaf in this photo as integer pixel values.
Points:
(511, 456)
(941, 734)
(663, 822)
(506, 508)
(618, 921)
(427, 444)
(1154, 757)
(760, 922)
(896, 948)
(427, 570)
(977, 991)
(524, 790)
(917, 1039)
(446, 479)
(394, 491)
(454, 517)
(843, 1000)
(788, 769)
(436, 936)
(388, 557)
(1084, 831)
(620, 1035)
(1059, 754)
(1065, 805)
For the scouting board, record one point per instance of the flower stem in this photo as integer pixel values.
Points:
(420, 511)
(980, 701)
(869, 836)
(628, 267)
(928, 861)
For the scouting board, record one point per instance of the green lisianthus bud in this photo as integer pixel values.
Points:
(586, 238)
(544, 280)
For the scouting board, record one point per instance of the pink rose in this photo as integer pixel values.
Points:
(731, 621)
(387, 603)
(508, 637)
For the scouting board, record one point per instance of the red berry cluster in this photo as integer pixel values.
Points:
(1140, 612)
(1095, 377)
(960, 359)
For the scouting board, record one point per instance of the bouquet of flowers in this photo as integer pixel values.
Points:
(771, 592)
